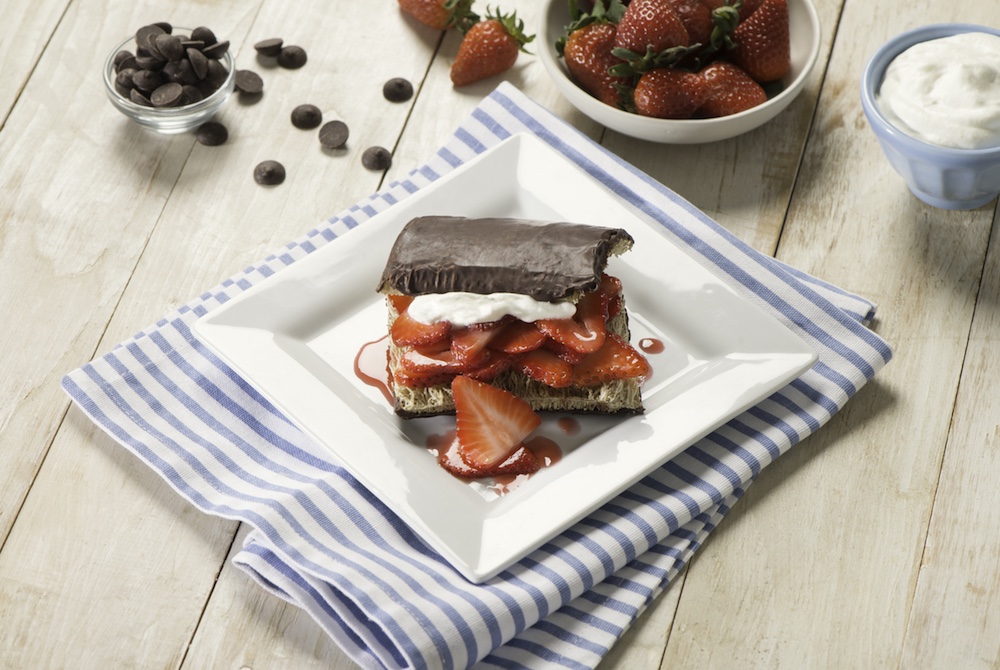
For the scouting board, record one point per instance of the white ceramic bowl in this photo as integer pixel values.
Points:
(940, 176)
(805, 42)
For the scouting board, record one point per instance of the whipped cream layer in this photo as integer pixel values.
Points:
(946, 91)
(464, 309)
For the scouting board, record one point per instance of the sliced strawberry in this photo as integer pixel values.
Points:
(617, 359)
(468, 344)
(428, 361)
(546, 367)
(399, 302)
(517, 337)
(408, 332)
(612, 287)
(563, 352)
(493, 365)
(491, 423)
(585, 331)
(522, 462)
(416, 380)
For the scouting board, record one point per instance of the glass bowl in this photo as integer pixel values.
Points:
(168, 120)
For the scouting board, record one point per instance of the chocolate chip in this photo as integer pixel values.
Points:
(123, 82)
(333, 134)
(269, 47)
(217, 74)
(217, 50)
(180, 71)
(147, 62)
(269, 173)
(167, 95)
(292, 57)
(190, 94)
(397, 89)
(170, 46)
(248, 81)
(307, 117)
(212, 134)
(121, 57)
(376, 158)
(143, 35)
(199, 63)
(203, 34)
(164, 26)
(147, 80)
(138, 98)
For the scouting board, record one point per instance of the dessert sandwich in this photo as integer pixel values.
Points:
(523, 306)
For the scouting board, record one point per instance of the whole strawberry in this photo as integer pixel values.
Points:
(441, 14)
(488, 48)
(729, 90)
(697, 19)
(650, 26)
(762, 46)
(669, 93)
(587, 52)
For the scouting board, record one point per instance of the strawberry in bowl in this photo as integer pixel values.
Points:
(680, 71)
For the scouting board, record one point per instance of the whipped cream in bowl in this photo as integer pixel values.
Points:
(932, 99)
(946, 91)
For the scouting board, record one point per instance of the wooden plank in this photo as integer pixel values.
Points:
(83, 189)
(211, 221)
(816, 567)
(24, 34)
(953, 621)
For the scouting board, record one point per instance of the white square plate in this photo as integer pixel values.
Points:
(295, 336)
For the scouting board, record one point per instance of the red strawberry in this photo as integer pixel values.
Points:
(399, 302)
(697, 19)
(489, 48)
(468, 344)
(762, 46)
(585, 331)
(517, 337)
(612, 287)
(668, 93)
(491, 423)
(489, 367)
(408, 332)
(429, 362)
(563, 352)
(730, 90)
(617, 359)
(441, 14)
(650, 25)
(588, 58)
(521, 462)
(546, 367)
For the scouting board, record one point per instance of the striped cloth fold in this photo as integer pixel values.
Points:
(321, 541)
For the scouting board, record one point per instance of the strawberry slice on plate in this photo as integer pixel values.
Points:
(491, 423)
(617, 359)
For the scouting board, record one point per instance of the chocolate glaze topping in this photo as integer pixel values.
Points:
(548, 261)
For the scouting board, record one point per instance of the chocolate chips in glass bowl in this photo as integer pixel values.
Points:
(168, 69)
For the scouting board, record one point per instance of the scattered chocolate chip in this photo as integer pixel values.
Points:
(203, 34)
(269, 173)
(292, 57)
(217, 50)
(269, 47)
(333, 134)
(212, 134)
(170, 46)
(397, 89)
(307, 117)
(167, 95)
(376, 158)
(248, 81)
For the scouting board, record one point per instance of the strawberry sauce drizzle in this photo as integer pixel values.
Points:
(568, 425)
(371, 365)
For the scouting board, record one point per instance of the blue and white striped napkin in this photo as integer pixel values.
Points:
(323, 542)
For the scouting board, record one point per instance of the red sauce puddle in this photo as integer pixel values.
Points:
(651, 345)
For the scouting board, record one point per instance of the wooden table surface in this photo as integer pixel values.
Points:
(873, 544)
